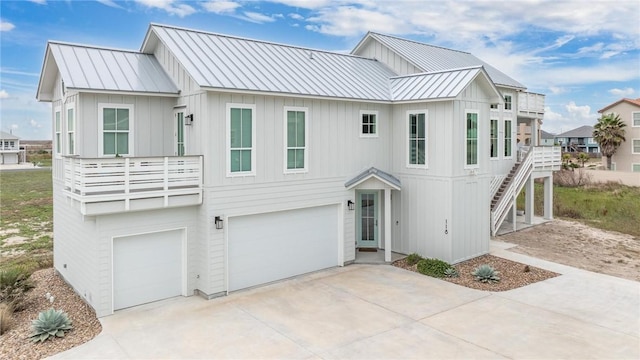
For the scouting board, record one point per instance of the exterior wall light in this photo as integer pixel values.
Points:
(351, 205)
(219, 222)
(189, 119)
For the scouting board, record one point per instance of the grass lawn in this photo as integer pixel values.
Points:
(26, 218)
(604, 206)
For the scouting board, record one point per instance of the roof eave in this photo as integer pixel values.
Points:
(44, 75)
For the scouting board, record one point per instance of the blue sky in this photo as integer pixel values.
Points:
(582, 54)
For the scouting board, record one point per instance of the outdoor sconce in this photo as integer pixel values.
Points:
(218, 221)
(189, 119)
(351, 205)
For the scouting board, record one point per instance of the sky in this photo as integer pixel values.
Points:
(583, 55)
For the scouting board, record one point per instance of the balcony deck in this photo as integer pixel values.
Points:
(530, 105)
(114, 185)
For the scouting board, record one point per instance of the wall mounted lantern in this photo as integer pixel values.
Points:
(219, 222)
(351, 205)
(189, 119)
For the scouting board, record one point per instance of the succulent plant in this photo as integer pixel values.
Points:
(486, 274)
(413, 259)
(50, 323)
(451, 272)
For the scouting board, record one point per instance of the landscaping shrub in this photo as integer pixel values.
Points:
(572, 178)
(50, 323)
(486, 274)
(433, 267)
(6, 317)
(14, 285)
(413, 259)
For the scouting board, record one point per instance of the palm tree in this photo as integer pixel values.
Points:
(609, 134)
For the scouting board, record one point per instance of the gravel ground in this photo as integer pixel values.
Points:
(15, 344)
(512, 274)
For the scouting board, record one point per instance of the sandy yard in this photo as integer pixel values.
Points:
(574, 244)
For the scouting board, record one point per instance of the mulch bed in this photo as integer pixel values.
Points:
(512, 274)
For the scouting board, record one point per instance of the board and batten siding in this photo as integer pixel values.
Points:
(174, 69)
(470, 218)
(375, 50)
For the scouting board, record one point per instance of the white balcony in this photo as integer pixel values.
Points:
(530, 105)
(114, 185)
(547, 158)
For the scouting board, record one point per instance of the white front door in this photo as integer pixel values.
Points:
(179, 141)
(367, 223)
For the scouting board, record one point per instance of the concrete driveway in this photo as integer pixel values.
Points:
(382, 312)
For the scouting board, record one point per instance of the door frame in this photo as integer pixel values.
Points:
(376, 216)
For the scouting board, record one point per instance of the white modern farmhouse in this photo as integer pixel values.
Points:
(206, 163)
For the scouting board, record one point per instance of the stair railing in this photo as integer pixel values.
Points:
(500, 211)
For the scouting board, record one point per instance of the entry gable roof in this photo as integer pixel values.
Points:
(431, 58)
(373, 172)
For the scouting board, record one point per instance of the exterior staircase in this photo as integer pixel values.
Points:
(503, 199)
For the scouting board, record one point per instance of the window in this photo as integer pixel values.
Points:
(241, 139)
(471, 138)
(369, 124)
(58, 130)
(296, 154)
(494, 138)
(493, 106)
(635, 143)
(417, 149)
(507, 102)
(508, 143)
(71, 130)
(635, 118)
(635, 167)
(179, 133)
(116, 126)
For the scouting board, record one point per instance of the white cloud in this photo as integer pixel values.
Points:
(40, 2)
(296, 16)
(622, 92)
(221, 7)
(110, 3)
(35, 124)
(556, 90)
(6, 26)
(14, 127)
(170, 6)
(4, 94)
(579, 113)
(257, 17)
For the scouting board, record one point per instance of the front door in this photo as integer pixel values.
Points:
(367, 233)
(179, 132)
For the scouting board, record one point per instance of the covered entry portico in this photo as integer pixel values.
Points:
(372, 193)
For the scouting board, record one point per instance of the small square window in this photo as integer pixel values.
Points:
(368, 123)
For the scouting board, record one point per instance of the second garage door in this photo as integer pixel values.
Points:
(274, 246)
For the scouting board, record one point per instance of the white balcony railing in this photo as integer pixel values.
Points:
(547, 158)
(530, 104)
(136, 183)
(9, 148)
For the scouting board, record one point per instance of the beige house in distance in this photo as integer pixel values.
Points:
(627, 158)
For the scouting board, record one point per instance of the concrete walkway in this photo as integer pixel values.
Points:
(383, 312)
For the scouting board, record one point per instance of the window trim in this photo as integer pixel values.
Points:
(72, 107)
(57, 131)
(504, 97)
(478, 132)
(632, 120)
(377, 123)
(286, 110)
(101, 107)
(633, 146)
(408, 137)
(497, 138)
(252, 172)
(504, 121)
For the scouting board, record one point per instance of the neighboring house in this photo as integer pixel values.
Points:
(578, 140)
(9, 148)
(546, 139)
(206, 163)
(627, 157)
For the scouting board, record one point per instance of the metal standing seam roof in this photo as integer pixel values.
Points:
(225, 62)
(91, 68)
(433, 58)
(377, 173)
(7, 136)
(435, 85)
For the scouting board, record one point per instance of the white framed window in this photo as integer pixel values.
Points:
(241, 140)
(296, 154)
(635, 146)
(635, 167)
(635, 119)
(116, 129)
(57, 125)
(71, 129)
(471, 138)
(494, 139)
(493, 106)
(508, 102)
(508, 139)
(417, 138)
(368, 123)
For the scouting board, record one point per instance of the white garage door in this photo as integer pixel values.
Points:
(146, 268)
(274, 246)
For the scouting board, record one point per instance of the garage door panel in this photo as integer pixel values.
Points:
(147, 268)
(274, 246)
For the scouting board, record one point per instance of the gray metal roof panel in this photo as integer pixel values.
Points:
(374, 172)
(436, 85)
(585, 131)
(220, 61)
(91, 68)
(433, 58)
(7, 136)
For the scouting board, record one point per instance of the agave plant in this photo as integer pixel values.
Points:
(50, 323)
(486, 274)
(451, 272)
